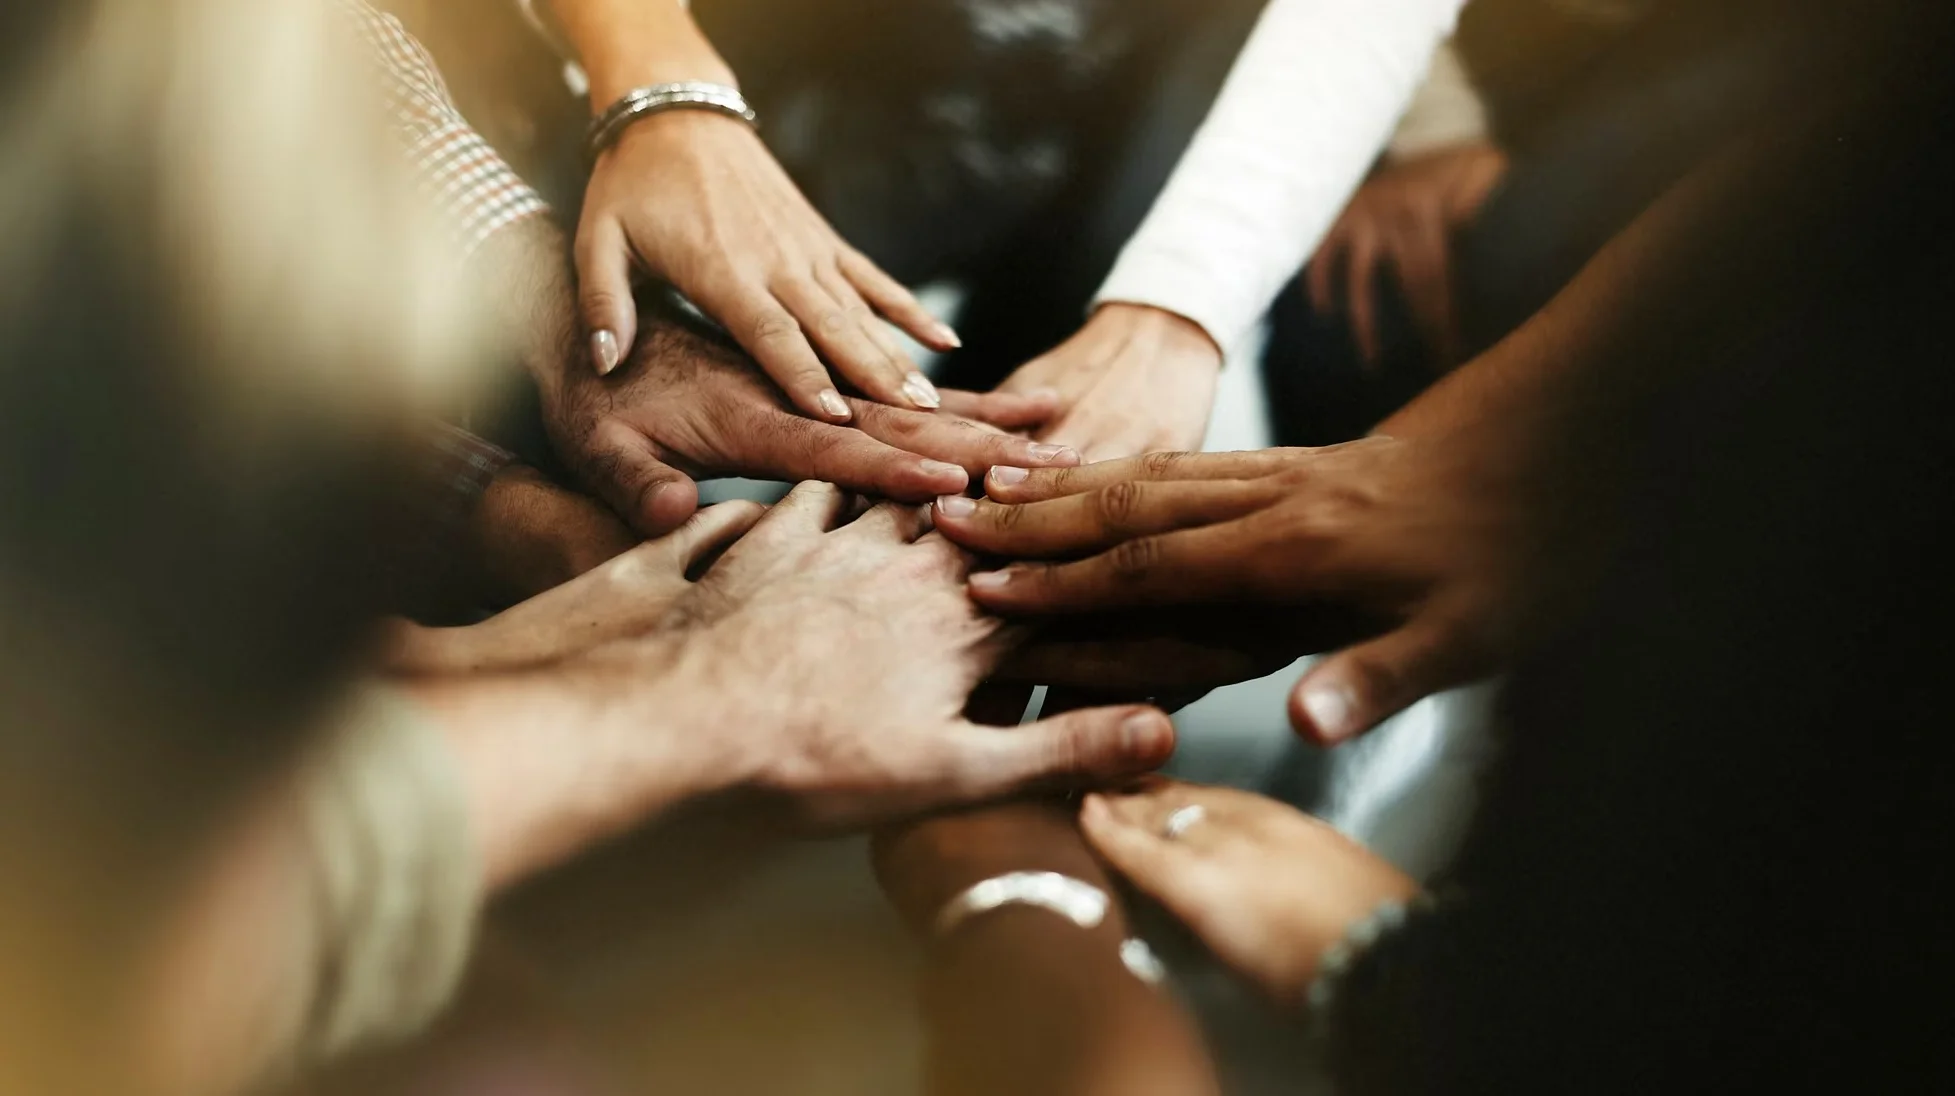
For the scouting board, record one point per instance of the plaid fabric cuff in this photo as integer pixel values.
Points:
(466, 179)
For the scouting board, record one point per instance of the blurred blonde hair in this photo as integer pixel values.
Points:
(220, 305)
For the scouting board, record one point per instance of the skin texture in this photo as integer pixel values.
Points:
(696, 198)
(1265, 886)
(530, 535)
(1418, 537)
(1403, 219)
(1021, 1000)
(621, 597)
(1133, 380)
(736, 686)
(685, 406)
(1469, 527)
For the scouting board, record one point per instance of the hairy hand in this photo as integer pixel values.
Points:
(837, 661)
(622, 597)
(686, 406)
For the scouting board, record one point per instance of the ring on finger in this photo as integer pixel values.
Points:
(1182, 820)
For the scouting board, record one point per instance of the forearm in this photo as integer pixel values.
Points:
(625, 44)
(1621, 336)
(1021, 1000)
(552, 763)
(1306, 109)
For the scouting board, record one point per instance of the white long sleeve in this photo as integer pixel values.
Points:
(1310, 102)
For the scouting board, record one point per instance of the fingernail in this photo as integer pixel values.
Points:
(947, 336)
(922, 393)
(1006, 476)
(1094, 807)
(1329, 708)
(604, 351)
(956, 506)
(1049, 454)
(992, 580)
(1142, 736)
(1043, 394)
(939, 468)
(832, 402)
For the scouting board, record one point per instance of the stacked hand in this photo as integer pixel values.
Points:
(696, 199)
(1133, 380)
(1423, 538)
(1266, 887)
(686, 406)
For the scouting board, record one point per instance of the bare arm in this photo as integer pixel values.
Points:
(1021, 1000)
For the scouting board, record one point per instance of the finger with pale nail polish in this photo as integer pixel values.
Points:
(922, 393)
(832, 402)
(604, 351)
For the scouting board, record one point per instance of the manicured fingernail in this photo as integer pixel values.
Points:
(992, 580)
(832, 402)
(1050, 454)
(604, 351)
(1094, 807)
(1006, 476)
(1142, 736)
(947, 336)
(922, 393)
(956, 506)
(939, 468)
(1330, 708)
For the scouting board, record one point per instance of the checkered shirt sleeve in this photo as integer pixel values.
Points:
(466, 179)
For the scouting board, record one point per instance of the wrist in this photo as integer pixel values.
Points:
(924, 864)
(1159, 333)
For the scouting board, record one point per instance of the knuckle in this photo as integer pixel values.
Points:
(1162, 465)
(773, 326)
(1006, 519)
(1117, 506)
(834, 322)
(1134, 560)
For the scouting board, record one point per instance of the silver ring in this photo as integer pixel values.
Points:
(1183, 820)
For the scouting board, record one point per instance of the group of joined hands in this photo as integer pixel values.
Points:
(827, 649)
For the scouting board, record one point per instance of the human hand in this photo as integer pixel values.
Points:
(625, 595)
(835, 663)
(530, 535)
(1133, 380)
(1405, 217)
(1424, 538)
(687, 406)
(698, 200)
(1265, 886)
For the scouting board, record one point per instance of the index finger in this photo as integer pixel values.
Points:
(1099, 519)
(1007, 483)
(1179, 568)
(795, 448)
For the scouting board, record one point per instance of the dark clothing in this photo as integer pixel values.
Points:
(1714, 857)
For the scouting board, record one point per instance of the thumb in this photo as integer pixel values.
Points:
(711, 531)
(1093, 745)
(604, 294)
(1354, 690)
(624, 468)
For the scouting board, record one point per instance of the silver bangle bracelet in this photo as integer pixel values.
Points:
(1080, 902)
(1075, 900)
(642, 102)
